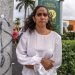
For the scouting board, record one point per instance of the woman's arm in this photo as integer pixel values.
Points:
(56, 60)
(57, 55)
(47, 63)
(21, 52)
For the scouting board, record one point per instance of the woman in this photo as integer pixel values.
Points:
(39, 44)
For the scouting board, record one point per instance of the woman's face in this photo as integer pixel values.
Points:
(41, 17)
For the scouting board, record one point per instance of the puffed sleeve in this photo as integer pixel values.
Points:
(57, 55)
(21, 52)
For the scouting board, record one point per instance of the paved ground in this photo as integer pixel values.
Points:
(16, 67)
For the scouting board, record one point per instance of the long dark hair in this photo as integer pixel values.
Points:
(30, 24)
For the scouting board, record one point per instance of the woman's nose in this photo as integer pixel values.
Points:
(42, 17)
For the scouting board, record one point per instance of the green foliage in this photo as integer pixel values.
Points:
(68, 36)
(17, 21)
(68, 58)
(70, 27)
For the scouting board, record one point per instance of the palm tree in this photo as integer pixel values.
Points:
(25, 3)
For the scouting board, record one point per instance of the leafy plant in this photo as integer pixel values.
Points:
(68, 58)
(70, 27)
(68, 36)
(17, 21)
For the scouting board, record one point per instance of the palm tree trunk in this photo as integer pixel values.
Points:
(25, 8)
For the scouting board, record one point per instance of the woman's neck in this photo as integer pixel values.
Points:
(43, 31)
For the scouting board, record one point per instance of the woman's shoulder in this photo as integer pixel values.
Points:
(25, 34)
(55, 34)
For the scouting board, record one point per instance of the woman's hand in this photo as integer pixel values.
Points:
(47, 63)
(30, 66)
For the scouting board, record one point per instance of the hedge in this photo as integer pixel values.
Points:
(68, 58)
(68, 36)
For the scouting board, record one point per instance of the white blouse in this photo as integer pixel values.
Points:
(46, 46)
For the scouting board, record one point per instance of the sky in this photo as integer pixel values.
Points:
(17, 14)
(68, 10)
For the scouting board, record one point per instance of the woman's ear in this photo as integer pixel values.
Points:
(33, 19)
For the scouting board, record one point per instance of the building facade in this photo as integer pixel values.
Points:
(70, 24)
